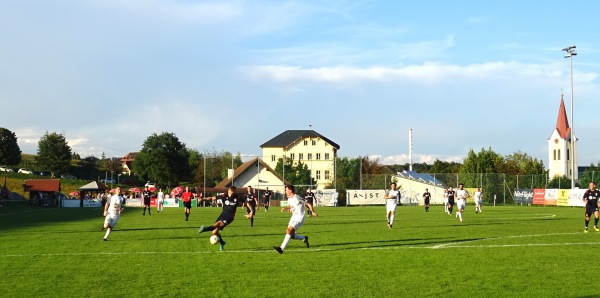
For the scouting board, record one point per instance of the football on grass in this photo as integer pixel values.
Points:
(214, 239)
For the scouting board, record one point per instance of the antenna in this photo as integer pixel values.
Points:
(410, 149)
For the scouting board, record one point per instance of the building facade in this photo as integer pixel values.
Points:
(314, 150)
(560, 144)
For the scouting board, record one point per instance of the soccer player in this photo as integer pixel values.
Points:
(310, 198)
(446, 201)
(296, 207)
(478, 197)
(462, 195)
(266, 199)
(591, 205)
(112, 212)
(230, 203)
(250, 203)
(160, 201)
(426, 199)
(450, 195)
(186, 197)
(392, 199)
(146, 201)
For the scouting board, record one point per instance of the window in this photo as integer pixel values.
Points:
(558, 154)
(310, 156)
(568, 157)
(326, 156)
(292, 156)
(326, 175)
(305, 142)
(272, 157)
(314, 142)
(318, 156)
(318, 175)
(554, 154)
(300, 156)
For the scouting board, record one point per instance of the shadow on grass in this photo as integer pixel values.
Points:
(391, 243)
(25, 217)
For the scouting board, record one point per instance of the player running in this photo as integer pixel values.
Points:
(462, 195)
(446, 201)
(230, 203)
(591, 205)
(392, 199)
(250, 202)
(426, 199)
(266, 199)
(478, 197)
(146, 201)
(112, 212)
(310, 198)
(160, 200)
(450, 194)
(296, 207)
(186, 197)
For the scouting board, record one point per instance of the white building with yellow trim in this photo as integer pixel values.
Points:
(314, 150)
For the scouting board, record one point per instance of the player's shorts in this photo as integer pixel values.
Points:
(111, 220)
(451, 202)
(250, 208)
(426, 202)
(461, 206)
(296, 222)
(226, 219)
(390, 206)
(590, 209)
(187, 204)
(265, 202)
(161, 201)
(309, 201)
(147, 202)
(478, 202)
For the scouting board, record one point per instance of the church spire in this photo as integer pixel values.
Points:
(562, 123)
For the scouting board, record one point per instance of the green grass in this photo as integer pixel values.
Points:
(504, 251)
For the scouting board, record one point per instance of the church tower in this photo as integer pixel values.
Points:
(559, 147)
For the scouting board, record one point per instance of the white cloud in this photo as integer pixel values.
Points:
(417, 158)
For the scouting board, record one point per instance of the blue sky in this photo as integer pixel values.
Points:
(230, 75)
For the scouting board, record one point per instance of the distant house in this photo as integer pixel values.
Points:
(314, 150)
(255, 173)
(127, 162)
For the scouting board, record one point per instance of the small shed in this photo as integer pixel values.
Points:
(42, 192)
(90, 188)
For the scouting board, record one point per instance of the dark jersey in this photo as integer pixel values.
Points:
(250, 199)
(451, 195)
(592, 197)
(309, 197)
(426, 197)
(267, 196)
(229, 205)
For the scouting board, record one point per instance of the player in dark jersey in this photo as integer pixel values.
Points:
(310, 202)
(147, 194)
(250, 202)
(426, 199)
(451, 194)
(591, 205)
(266, 199)
(230, 204)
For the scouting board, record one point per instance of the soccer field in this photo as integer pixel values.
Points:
(502, 252)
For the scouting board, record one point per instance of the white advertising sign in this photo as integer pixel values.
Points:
(365, 197)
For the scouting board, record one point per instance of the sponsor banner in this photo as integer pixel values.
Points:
(576, 197)
(326, 197)
(76, 203)
(551, 197)
(170, 203)
(523, 196)
(365, 197)
(134, 203)
(539, 196)
(563, 197)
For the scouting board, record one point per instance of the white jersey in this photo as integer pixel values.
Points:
(114, 206)
(461, 195)
(393, 196)
(477, 196)
(296, 204)
(161, 196)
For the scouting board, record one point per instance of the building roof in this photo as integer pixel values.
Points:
(93, 186)
(43, 185)
(289, 137)
(562, 123)
(130, 156)
(243, 168)
(425, 178)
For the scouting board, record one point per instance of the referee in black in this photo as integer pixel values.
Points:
(591, 205)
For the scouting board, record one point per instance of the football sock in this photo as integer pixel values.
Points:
(252, 221)
(587, 222)
(392, 219)
(286, 240)
(595, 222)
(266, 208)
(107, 233)
(221, 240)
(460, 215)
(209, 228)
(144, 211)
(450, 210)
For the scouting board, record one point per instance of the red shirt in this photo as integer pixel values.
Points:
(186, 196)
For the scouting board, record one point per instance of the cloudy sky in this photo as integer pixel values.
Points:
(230, 75)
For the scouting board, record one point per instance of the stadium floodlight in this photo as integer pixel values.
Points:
(570, 53)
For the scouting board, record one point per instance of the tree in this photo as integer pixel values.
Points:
(212, 166)
(89, 166)
(113, 164)
(10, 153)
(592, 173)
(163, 159)
(374, 174)
(444, 167)
(54, 154)
(296, 173)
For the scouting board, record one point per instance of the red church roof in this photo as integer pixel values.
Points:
(562, 123)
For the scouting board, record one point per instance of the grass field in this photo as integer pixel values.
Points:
(502, 252)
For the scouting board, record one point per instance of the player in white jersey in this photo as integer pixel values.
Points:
(160, 200)
(478, 197)
(392, 197)
(446, 201)
(296, 207)
(112, 212)
(461, 195)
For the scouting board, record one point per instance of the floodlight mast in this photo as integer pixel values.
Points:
(570, 53)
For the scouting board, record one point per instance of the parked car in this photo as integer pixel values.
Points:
(150, 184)
(25, 171)
(5, 169)
(107, 181)
(68, 176)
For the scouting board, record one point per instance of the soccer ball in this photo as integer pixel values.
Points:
(214, 239)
